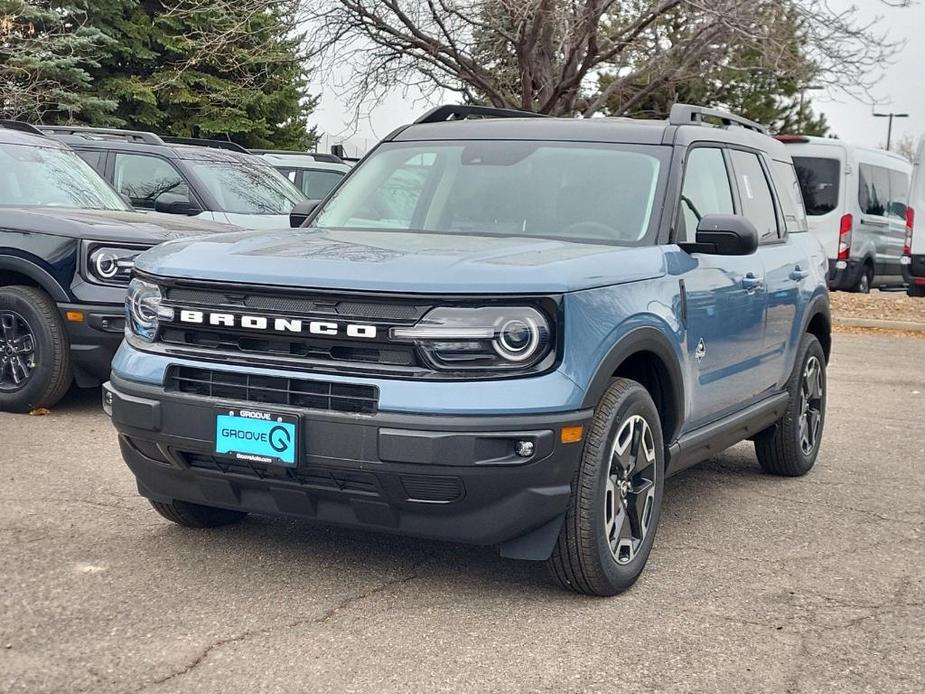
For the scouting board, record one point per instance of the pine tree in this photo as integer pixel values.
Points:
(47, 50)
(201, 68)
(198, 68)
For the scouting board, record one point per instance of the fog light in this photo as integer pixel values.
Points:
(524, 448)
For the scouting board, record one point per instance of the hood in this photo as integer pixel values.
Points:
(402, 262)
(106, 225)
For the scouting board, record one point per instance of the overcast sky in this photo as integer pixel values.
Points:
(901, 89)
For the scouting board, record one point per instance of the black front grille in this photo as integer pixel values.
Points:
(308, 476)
(432, 488)
(274, 390)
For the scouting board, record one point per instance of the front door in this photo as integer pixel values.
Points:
(726, 299)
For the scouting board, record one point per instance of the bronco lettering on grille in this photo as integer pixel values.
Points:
(279, 325)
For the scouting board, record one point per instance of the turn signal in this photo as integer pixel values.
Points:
(74, 316)
(572, 434)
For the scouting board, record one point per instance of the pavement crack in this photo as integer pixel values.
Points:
(328, 615)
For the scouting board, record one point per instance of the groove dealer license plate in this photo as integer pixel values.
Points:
(257, 436)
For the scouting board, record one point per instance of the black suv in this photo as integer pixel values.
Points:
(67, 244)
(216, 180)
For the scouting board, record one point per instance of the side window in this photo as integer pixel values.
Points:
(899, 193)
(874, 189)
(288, 173)
(316, 184)
(757, 200)
(706, 189)
(93, 157)
(791, 196)
(143, 178)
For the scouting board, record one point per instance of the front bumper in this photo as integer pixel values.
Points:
(94, 337)
(455, 478)
(845, 278)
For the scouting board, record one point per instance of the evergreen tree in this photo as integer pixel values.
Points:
(46, 52)
(201, 68)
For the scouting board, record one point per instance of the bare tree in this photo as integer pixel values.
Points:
(548, 55)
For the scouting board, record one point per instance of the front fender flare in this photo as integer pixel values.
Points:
(35, 273)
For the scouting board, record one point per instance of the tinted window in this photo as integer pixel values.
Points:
(899, 193)
(706, 189)
(819, 183)
(757, 200)
(50, 177)
(791, 196)
(513, 188)
(247, 188)
(143, 178)
(93, 158)
(874, 190)
(317, 184)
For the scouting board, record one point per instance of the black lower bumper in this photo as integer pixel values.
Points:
(914, 272)
(845, 278)
(95, 332)
(441, 477)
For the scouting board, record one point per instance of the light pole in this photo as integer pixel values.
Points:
(889, 127)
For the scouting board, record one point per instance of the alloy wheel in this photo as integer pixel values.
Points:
(811, 393)
(17, 351)
(630, 488)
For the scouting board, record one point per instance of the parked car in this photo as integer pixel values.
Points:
(505, 330)
(313, 173)
(856, 202)
(215, 180)
(67, 244)
(914, 245)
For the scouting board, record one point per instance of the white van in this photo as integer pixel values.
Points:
(856, 204)
(913, 261)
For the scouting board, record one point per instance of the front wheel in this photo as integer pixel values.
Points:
(790, 446)
(616, 496)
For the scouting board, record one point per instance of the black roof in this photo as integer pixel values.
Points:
(167, 149)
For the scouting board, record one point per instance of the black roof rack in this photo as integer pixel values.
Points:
(686, 114)
(461, 112)
(104, 133)
(205, 142)
(22, 127)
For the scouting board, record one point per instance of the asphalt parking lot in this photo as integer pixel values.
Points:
(755, 583)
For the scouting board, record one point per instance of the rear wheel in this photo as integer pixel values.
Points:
(790, 447)
(616, 496)
(195, 515)
(866, 280)
(35, 369)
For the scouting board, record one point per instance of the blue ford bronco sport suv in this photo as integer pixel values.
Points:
(497, 329)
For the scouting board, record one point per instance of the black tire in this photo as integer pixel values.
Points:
(196, 516)
(916, 290)
(782, 448)
(584, 559)
(49, 362)
(865, 279)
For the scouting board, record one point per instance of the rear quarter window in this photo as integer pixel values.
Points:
(819, 183)
(791, 196)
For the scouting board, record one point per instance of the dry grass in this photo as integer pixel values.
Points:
(878, 306)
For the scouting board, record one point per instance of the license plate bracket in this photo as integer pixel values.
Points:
(257, 436)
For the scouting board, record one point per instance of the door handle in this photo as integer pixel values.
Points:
(751, 282)
(799, 274)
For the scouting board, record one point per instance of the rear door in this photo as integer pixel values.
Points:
(878, 236)
(726, 297)
(821, 170)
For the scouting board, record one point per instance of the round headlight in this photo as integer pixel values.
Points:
(143, 307)
(105, 264)
(517, 339)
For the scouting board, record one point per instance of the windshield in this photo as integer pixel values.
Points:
(577, 191)
(33, 176)
(247, 189)
(819, 183)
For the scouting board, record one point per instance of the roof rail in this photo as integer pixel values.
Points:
(461, 112)
(104, 133)
(317, 156)
(686, 114)
(21, 126)
(205, 142)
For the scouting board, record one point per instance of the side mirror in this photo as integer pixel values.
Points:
(301, 212)
(170, 203)
(724, 234)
